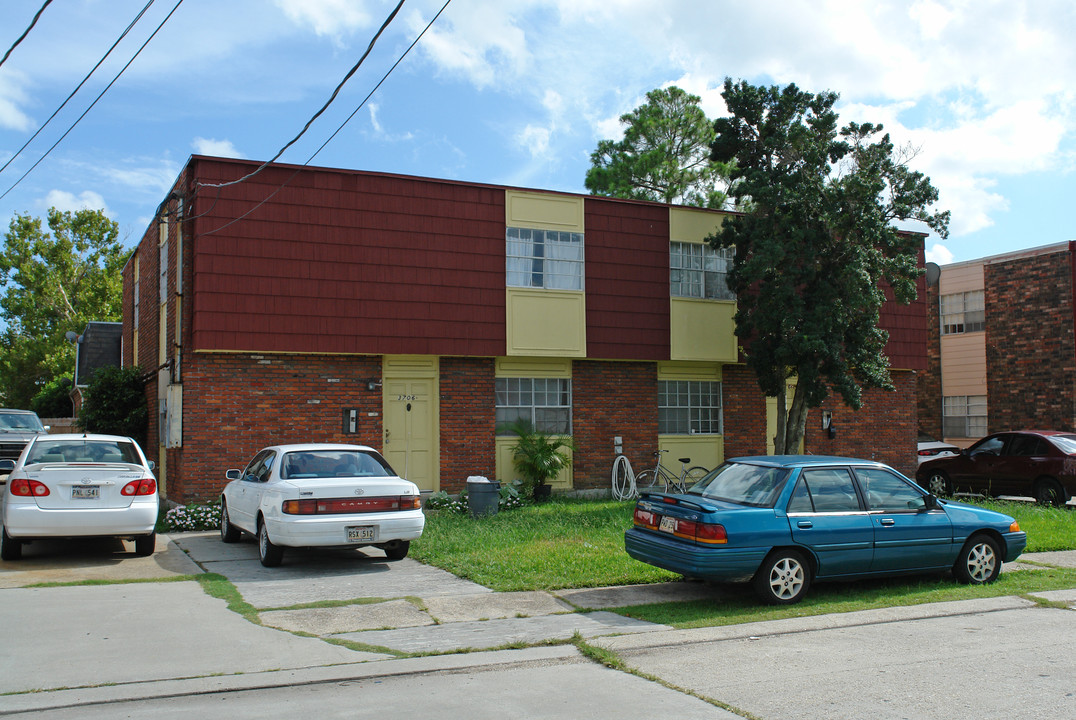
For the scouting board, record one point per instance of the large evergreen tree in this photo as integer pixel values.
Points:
(818, 245)
(664, 155)
(51, 282)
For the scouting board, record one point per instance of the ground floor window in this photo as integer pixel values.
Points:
(964, 416)
(689, 407)
(546, 403)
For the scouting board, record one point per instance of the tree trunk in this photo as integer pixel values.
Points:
(782, 414)
(797, 421)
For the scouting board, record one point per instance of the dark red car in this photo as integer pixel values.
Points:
(1034, 463)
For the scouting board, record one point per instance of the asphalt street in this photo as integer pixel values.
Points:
(168, 649)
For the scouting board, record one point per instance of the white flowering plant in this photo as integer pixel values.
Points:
(193, 517)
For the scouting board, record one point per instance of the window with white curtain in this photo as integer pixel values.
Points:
(549, 259)
(699, 271)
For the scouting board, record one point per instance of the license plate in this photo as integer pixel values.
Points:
(361, 533)
(85, 492)
(668, 524)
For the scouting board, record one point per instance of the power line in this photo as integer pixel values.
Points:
(25, 32)
(84, 80)
(335, 133)
(324, 107)
(87, 110)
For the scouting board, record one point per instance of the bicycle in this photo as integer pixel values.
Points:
(688, 475)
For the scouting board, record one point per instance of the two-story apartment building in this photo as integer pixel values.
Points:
(420, 315)
(1002, 353)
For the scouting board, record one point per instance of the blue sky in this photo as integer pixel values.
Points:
(519, 93)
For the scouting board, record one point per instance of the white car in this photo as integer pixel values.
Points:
(320, 496)
(79, 486)
(930, 449)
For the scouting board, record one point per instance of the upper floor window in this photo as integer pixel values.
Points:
(544, 403)
(689, 407)
(549, 259)
(964, 416)
(962, 312)
(699, 271)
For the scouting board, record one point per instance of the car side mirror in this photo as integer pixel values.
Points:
(6, 466)
(233, 474)
(930, 502)
(152, 465)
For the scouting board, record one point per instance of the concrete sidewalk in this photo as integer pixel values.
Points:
(160, 637)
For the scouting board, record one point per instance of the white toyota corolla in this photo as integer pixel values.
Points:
(320, 495)
(79, 486)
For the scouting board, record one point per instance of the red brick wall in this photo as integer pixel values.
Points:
(1030, 349)
(468, 420)
(744, 412)
(883, 429)
(236, 404)
(611, 399)
(928, 383)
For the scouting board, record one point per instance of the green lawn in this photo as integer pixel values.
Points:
(580, 543)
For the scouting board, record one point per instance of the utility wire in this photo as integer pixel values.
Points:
(84, 80)
(338, 129)
(87, 110)
(324, 107)
(25, 32)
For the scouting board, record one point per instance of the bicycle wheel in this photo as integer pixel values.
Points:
(694, 474)
(623, 479)
(646, 480)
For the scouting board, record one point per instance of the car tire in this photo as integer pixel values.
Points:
(145, 544)
(397, 550)
(270, 555)
(1049, 492)
(228, 533)
(10, 548)
(783, 578)
(938, 483)
(979, 561)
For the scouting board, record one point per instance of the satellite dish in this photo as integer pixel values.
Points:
(933, 273)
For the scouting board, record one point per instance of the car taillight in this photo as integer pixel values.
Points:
(145, 486)
(343, 506)
(24, 487)
(645, 518)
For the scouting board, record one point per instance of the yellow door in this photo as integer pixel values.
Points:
(411, 442)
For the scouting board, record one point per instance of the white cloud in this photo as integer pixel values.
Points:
(535, 140)
(326, 17)
(12, 96)
(216, 148)
(479, 41)
(939, 254)
(69, 202)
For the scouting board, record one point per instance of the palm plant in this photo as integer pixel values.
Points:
(538, 456)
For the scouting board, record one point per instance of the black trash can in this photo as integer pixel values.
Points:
(482, 496)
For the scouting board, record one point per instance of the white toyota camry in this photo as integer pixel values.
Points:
(79, 486)
(320, 495)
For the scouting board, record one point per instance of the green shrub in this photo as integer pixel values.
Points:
(114, 403)
(54, 400)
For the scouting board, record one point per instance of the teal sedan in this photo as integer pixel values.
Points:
(782, 522)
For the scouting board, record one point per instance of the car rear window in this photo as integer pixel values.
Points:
(1067, 443)
(70, 451)
(743, 484)
(332, 463)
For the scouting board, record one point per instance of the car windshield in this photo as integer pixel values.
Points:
(743, 484)
(1067, 443)
(20, 422)
(105, 451)
(332, 463)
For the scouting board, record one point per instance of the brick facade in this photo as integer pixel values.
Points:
(928, 384)
(468, 422)
(612, 399)
(744, 412)
(1030, 348)
(883, 429)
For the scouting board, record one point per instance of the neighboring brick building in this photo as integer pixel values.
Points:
(419, 315)
(1002, 349)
